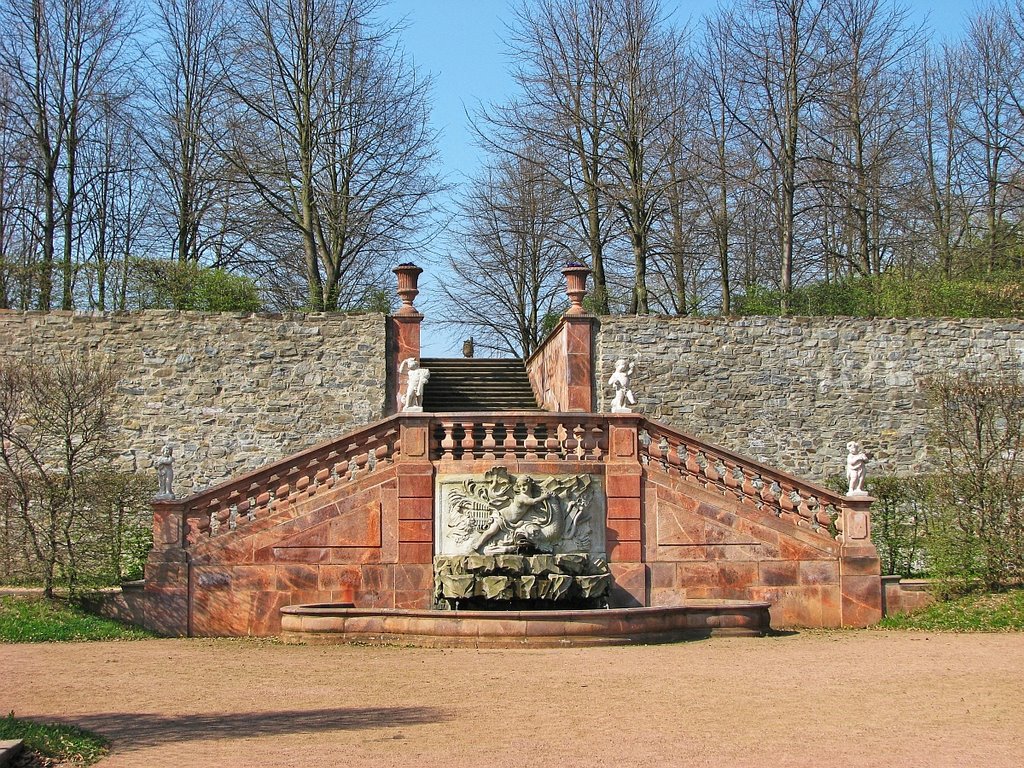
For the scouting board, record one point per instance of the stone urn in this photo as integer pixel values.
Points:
(408, 288)
(576, 287)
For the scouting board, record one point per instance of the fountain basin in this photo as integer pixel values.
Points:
(336, 623)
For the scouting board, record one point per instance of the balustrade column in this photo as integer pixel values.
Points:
(624, 532)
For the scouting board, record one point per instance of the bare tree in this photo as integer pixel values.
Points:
(331, 131)
(512, 245)
(62, 59)
(188, 100)
(642, 67)
(993, 121)
(55, 434)
(864, 132)
(782, 67)
(940, 96)
(560, 50)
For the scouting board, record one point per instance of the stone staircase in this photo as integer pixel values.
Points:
(477, 384)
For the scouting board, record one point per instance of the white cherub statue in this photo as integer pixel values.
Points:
(619, 381)
(856, 462)
(164, 464)
(412, 398)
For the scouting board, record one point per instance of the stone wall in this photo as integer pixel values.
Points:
(791, 392)
(230, 392)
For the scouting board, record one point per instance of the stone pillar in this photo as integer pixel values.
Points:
(860, 582)
(579, 363)
(166, 575)
(623, 488)
(414, 571)
(404, 333)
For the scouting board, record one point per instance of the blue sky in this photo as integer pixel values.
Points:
(459, 42)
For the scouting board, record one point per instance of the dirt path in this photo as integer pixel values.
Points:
(840, 699)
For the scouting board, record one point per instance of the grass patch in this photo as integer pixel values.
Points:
(26, 619)
(988, 612)
(64, 743)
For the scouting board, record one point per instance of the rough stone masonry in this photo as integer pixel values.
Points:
(229, 392)
(232, 392)
(792, 391)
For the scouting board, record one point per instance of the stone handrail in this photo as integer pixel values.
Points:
(798, 501)
(255, 495)
(525, 435)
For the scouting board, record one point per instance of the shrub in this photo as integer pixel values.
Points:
(71, 518)
(164, 284)
(976, 526)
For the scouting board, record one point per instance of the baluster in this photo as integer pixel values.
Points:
(551, 444)
(448, 441)
(656, 449)
(214, 523)
(578, 434)
(597, 444)
(468, 443)
(530, 442)
(675, 455)
(509, 443)
(489, 443)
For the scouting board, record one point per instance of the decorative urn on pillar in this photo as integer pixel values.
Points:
(408, 290)
(576, 287)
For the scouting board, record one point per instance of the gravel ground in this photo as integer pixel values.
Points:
(866, 698)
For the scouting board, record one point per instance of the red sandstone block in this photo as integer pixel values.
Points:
(296, 577)
(861, 600)
(338, 577)
(630, 585)
(623, 530)
(693, 575)
(415, 486)
(819, 572)
(778, 572)
(265, 613)
(624, 509)
(416, 509)
(736, 552)
(737, 575)
(413, 577)
(301, 554)
(664, 598)
(663, 576)
(415, 552)
(415, 531)
(624, 552)
(413, 600)
(622, 486)
(253, 578)
(859, 566)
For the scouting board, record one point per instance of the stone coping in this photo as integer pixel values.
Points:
(335, 623)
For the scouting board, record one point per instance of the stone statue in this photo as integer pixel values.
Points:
(619, 381)
(412, 399)
(504, 513)
(856, 462)
(164, 464)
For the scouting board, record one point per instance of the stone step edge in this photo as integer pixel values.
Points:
(10, 749)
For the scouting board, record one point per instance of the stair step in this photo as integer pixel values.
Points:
(477, 384)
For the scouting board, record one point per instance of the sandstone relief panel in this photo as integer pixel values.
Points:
(504, 513)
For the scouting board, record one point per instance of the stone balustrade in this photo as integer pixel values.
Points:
(525, 436)
(797, 501)
(230, 505)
